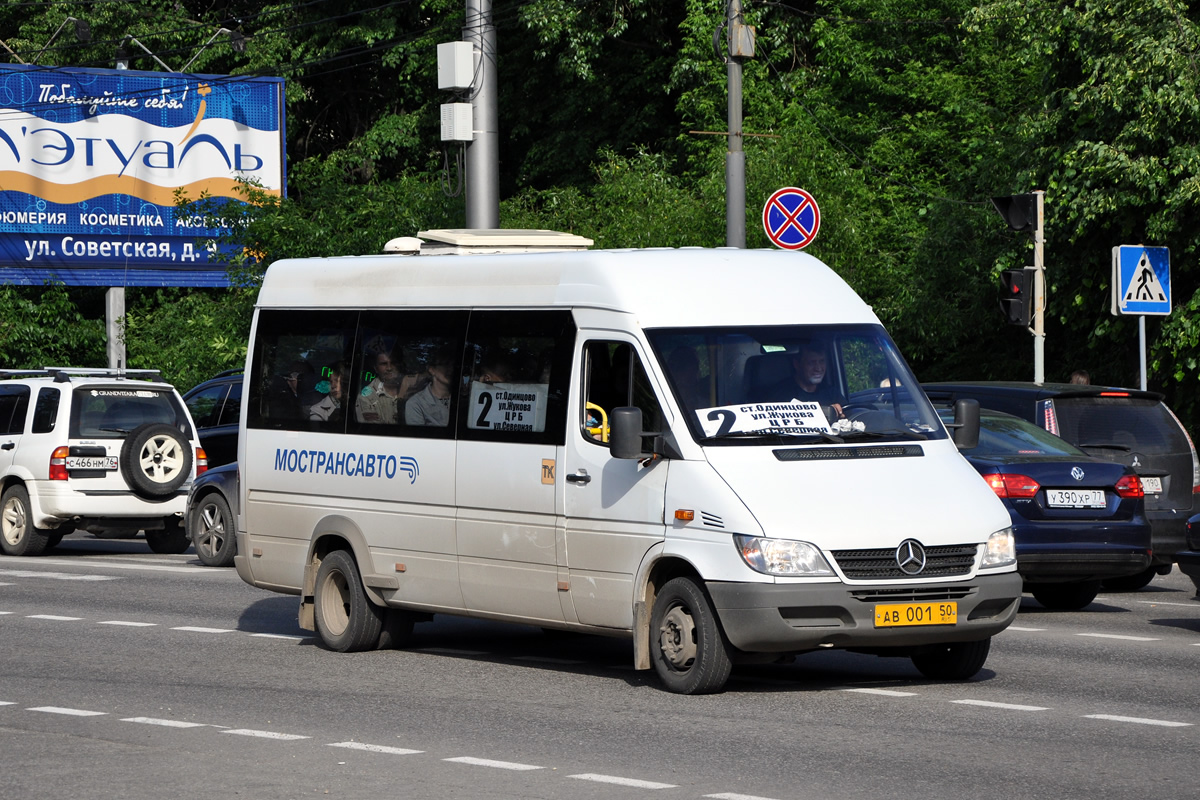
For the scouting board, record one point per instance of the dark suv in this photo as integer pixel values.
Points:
(215, 406)
(1122, 425)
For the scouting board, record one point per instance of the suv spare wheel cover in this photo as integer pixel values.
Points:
(156, 460)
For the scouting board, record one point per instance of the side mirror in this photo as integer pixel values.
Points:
(625, 439)
(966, 424)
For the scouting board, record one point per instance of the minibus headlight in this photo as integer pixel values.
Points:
(1001, 549)
(781, 556)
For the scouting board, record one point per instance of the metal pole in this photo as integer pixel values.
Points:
(114, 310)
(1142, 346)
(483, 152)
(735, 156)
(1039, 293)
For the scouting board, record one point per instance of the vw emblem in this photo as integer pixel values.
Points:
(1077, 473)
(910, 557)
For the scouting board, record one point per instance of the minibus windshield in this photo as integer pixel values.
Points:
(796, 383)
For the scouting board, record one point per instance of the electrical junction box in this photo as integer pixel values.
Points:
(456, 65)
(456, 122)
(741, 41)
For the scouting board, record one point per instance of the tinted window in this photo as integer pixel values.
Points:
(231, 411)
(1002, 436)
(205, 405)
(301, 370)
(516, 373)
(14, 402)
(101, 412)
(45, 411)
(1144, 425)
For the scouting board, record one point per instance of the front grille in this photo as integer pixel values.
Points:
(880, 564)
(913, 594)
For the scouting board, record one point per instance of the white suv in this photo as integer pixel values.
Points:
(112, 452)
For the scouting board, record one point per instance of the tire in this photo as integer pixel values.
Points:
(156, 460)
(211, 530)
(396, 631)
(346, 620)
(1130, 583)
(18, 536)
(954, 661)
(1065, 596)
(171, 540)
(686, 644)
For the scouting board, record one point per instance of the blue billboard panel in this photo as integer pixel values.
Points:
(91, 163)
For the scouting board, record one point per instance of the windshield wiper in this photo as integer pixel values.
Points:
(903, 433)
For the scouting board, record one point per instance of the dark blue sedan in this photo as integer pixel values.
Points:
(1077, 520)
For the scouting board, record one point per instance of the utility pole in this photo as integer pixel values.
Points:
(483, 151)
(735, 156)
(1039, 292)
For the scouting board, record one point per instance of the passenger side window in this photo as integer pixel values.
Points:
(14, 402)
(300, 377)
(516, 374)
(614, 377)
(45, 410)
(205, 405)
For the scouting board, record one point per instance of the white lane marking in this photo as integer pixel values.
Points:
(107, 564)
(1018, 628)
(128, 624)
(547, 660)
(194, 629)
(4, 613)
(734, 796)
(1160, 603)
(991, 704)
(287, 737)
(450, 651)
(6, 703)
(53, 616)
(376, 748)
(72, 712)
(631, 782)
(1119, 636)
(280, 636)
(1140, 720)
(166, 723)
(54, 576)
(7, 584)
(884, 692)
(487, 762)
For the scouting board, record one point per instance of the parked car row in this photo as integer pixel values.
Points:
(1099, 481)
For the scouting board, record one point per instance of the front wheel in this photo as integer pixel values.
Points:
(346, 619)
(1065, 596)
(686, 644)
(953, 661)
(18, 536)
(211, 531)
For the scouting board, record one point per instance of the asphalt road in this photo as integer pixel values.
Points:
(133, 675)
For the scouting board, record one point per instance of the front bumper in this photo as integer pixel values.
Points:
(783, 618)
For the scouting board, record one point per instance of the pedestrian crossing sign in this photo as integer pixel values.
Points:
(1141, 280)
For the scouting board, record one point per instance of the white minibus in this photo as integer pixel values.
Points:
(717, 452)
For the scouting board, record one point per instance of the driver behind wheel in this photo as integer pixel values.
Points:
(809, 381)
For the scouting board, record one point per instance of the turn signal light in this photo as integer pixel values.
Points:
(1011, 485)
(201, 461)
(58, 464)
(1130, 486)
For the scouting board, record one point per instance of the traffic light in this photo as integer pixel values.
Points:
(1018, 295)
(1018, 210)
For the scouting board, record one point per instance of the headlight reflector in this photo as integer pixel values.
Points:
(782, 556)
(1001, 549)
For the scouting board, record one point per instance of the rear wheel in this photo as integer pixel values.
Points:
(1131, 583)
(1065, 596)
(686, 644)
(171, 540)
(953, 661)
(346, 619)
(211, 531)
(18, 536)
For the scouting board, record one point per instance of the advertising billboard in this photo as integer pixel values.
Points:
(91, 161)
